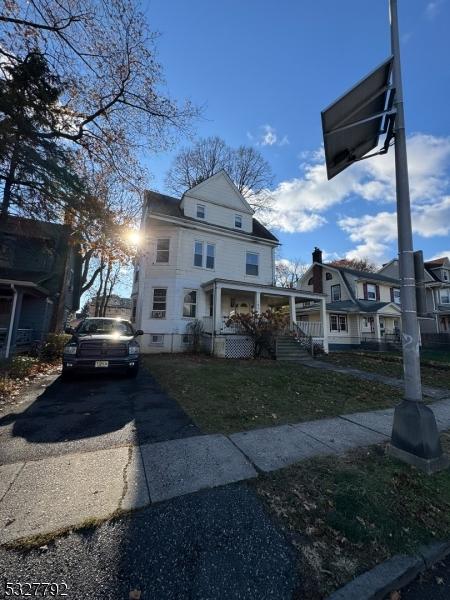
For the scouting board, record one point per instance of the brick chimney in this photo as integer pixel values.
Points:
(317, 271)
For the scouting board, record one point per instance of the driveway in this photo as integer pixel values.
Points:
(91, 413)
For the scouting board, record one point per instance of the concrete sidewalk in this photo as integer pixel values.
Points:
(58, 493)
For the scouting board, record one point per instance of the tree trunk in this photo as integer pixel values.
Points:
(9, 181)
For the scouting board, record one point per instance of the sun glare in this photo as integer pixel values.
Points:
(134, 237)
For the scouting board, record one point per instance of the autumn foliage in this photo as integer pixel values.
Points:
(262, 327)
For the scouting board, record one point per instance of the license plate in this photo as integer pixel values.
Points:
(101, 363)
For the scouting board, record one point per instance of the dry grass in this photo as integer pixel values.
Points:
(347, 514)
(236, 395)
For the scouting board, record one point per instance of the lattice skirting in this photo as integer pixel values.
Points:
(239, 347)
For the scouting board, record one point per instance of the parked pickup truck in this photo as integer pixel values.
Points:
(102, 345)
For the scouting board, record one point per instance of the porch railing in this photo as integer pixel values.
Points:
(311, 328)
(24, 340)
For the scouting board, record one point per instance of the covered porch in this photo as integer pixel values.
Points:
(25, 313)
(226, 298)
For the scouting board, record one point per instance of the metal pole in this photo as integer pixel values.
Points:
(410, 327)
(415, 438)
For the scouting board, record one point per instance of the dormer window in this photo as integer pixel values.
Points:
(371, 291)
(238, 221)
(201, 211)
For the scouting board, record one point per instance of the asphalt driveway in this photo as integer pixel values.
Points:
(91, 413)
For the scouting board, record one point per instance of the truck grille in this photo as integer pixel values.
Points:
(93, 349)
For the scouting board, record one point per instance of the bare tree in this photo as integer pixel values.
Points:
(246, 166)
(104, 55)
(289, 272)
(359, 264)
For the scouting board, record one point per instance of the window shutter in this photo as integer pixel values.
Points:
(392, 294)
(377, 292)
(365, 290)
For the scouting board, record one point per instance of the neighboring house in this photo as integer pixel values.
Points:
(117, 308)
(360, 306)
(40, 272)
(437, 293)
(205, 257)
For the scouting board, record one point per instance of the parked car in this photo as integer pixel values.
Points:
(102, 345)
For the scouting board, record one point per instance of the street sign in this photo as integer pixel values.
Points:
(353, 124)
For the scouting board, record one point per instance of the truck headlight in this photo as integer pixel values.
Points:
(133, 349)
(70, 349)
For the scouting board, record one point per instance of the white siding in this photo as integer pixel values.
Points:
(180, 274)
(217, 215)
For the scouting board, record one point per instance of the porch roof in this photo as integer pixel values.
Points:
(268, 289)
(361, 306)
(26, 286)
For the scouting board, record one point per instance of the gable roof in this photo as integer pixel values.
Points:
(365, 274)
(222, 186)
(171, 207)
(437, 262)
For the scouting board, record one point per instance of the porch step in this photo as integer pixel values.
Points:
(288, 349)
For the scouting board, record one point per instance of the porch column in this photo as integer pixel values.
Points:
(292, 309)
(218, 310)
(377, 327)
(323, 318)
(13, 322)
(258, 302)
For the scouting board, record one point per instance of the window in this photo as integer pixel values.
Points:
(159, 303)
(371, 291)
(210, 252)
(396, 295)
(338, 323)
(186, 339)
(200, 211)
(190, 304)
(445, 275)
(136, 275)
(252, 264)
(209, 260)
(310, 281)
(157, 340)
(211, 304)
(238, 221)
(328, 276)
(336, 292)
(445, 296)
(198, 254)
(162, 250)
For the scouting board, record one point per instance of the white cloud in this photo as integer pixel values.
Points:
(303, 203)
(268, 136)
(440, 255)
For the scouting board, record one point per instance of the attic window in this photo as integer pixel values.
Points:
(310, 281)
(328, 276)
(238, 221)
(200, 211)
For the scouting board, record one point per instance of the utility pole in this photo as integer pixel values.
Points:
(415, 438)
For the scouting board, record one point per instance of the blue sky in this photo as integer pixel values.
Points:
(263, 70)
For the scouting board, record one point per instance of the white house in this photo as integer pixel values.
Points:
(361, 306)
(437, 293)
(205, 257)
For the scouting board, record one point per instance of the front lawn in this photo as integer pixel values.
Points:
(392, 366)
(347, 514)
(230, 395)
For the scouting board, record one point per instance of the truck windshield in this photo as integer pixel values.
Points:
(104, 326)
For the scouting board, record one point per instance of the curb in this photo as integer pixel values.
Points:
(392, 574)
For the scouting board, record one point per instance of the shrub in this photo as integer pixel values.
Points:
(18, 367)
(53, 346)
